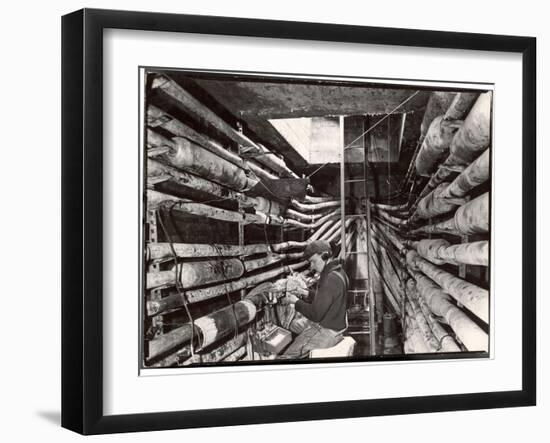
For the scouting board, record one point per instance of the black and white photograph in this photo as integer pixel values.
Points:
(259, 221)
(309, 219)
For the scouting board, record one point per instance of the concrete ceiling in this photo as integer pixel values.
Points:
(256, 102)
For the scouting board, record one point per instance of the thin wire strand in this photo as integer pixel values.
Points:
(177, 277)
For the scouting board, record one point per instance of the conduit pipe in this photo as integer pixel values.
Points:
(270, 160)
(476, 299)
(288, 245)
(468, 143)
(474, 175)
(470, 218)
(392, 299)
(398, 222)
(315, 224)
(207, 329)
(440, 251)
(304, 207)
(334, 228)
(389, 234)
(194, 158)
(157, 117)
(446, 342)
(176, 300)
(435, 145)
(314, 199)
(469, 333)
(307, 218)
(261, 173)
(267, 206)
(197, 273)
(155, 198)
(279, 247)
(474, 136)
(178, 96)
(156, 170)
(163, 251)
(445, 197)
(160, 118)
(461, 105)
(392, 208)
(438, 103)
(413, 310)
(334, 232)
(324, 227)
(414, 342)
(263, 262)
(387, 272)
(220, 352)
(434, 204)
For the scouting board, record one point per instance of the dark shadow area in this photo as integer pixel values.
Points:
(54, 417)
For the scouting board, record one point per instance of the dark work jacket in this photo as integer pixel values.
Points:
(328, 307)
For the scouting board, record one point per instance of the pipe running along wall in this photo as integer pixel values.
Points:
(470, 218)
(468, 143)
(440, 251)
(447, 196)
(469, 333)
(170, 91)
(476, 299)
(454, 154)
(195, 295)
(184, 162)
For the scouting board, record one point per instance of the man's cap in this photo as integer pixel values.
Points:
(317, 247)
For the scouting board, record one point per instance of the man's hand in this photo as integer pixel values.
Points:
(291, 298)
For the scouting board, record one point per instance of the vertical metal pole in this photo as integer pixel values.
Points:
(242, 293)
(342, 191)
(372, 299)
(154, 294)
(241, 237)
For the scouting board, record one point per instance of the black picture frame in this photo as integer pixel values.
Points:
(82, 215)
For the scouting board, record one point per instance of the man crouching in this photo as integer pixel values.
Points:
(324, 319)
